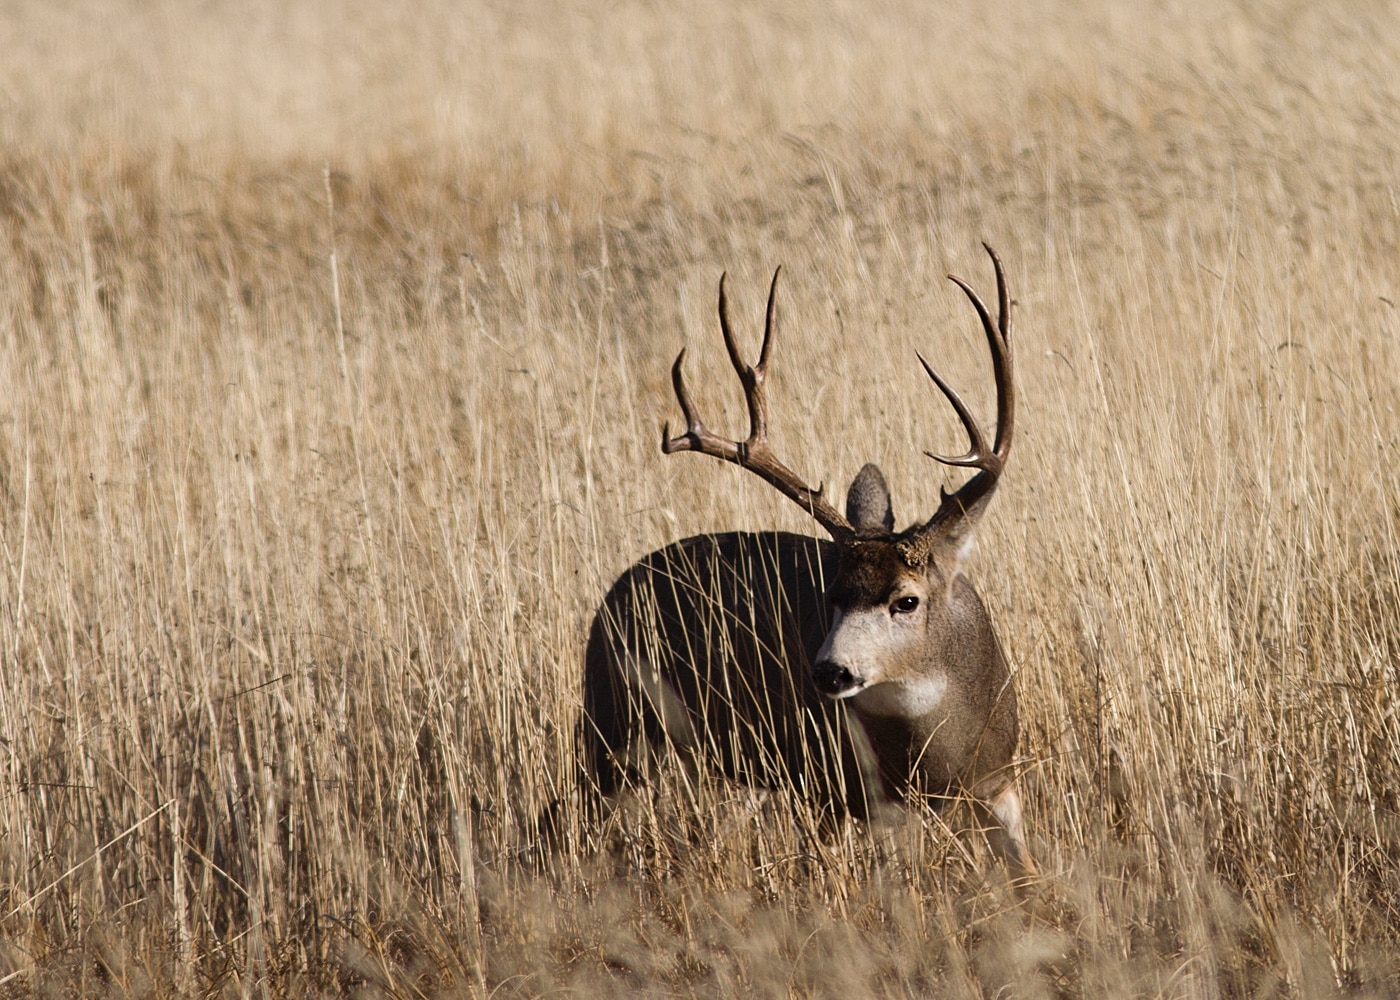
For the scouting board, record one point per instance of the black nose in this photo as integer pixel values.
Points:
(833, 679)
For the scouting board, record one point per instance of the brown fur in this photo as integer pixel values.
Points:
(707, 646)
(717, 645)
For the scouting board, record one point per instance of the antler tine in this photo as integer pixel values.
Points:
(682, 397)
(696, 437)
(768, 315)
(1001, 361)
(753, 454)
(1003, 296)
(976, 453)
(730, 344)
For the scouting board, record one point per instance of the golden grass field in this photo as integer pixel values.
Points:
(334, 348)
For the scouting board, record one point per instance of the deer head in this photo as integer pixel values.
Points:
(893, 601)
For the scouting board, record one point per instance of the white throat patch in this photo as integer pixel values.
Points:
(904, 698)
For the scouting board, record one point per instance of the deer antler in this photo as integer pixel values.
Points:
(753, 454)
(968, 502)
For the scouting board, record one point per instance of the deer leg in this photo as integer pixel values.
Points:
(1006, 833)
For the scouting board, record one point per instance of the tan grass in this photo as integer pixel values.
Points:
(333, 352)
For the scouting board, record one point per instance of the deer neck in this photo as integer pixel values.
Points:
(915, 754)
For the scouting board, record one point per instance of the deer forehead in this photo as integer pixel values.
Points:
(871, 572)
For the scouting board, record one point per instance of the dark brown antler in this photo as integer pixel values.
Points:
(967, 502)
(754, 453)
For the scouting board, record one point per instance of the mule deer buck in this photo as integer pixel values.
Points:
(745, 650)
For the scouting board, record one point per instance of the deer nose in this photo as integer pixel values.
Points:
(833, 679)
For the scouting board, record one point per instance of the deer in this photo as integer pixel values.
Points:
(857, 672)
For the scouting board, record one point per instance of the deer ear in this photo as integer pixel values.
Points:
(868, 502)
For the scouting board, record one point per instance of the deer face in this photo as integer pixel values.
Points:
(890, 611)
(886, 622)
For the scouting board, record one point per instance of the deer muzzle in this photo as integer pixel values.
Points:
(835, 680)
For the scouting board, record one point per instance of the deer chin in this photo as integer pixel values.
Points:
(849, 692)
(903, 698)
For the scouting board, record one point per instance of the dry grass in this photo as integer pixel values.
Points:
(309, 481)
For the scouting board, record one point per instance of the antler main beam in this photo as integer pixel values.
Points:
(973, 495)
(754, 453)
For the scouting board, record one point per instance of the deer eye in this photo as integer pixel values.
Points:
(904, 605)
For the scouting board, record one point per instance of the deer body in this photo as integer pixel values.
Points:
(706, 646)
(854, 672)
